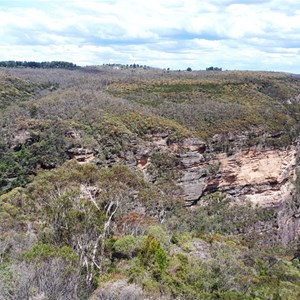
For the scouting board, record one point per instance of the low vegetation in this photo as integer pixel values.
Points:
(228, 102)
(90, 210)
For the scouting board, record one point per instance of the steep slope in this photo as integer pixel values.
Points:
(175, 185)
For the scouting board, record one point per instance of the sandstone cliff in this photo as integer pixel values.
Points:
(264, 176)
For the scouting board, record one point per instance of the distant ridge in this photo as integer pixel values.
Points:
(41, 65)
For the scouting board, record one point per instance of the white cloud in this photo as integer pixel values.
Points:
(252, 34)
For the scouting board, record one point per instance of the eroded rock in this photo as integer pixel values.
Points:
(23, 137)
(82, 155)
(268, 174)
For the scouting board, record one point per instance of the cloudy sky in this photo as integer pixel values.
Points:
(233, 34)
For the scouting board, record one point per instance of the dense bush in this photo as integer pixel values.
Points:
(74, 230)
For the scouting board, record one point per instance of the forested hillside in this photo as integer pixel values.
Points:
(141, 183)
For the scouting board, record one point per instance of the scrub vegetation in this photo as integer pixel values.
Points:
(79, 220)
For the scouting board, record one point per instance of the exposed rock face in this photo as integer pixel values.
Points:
(82, 155)
(263, 177)
(266, 178)
(194, 179)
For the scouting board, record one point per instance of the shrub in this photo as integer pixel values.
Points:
(128, 246)
(153, 257)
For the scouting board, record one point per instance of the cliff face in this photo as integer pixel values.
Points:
(265, 177)
(262, 176)
(148, 200)
(116, 127)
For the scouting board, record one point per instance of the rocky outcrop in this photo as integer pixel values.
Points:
(82, 155)
(265, 177)
(23, 137)
(262, 176)
(194, 169)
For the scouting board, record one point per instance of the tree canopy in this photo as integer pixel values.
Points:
(34, 64)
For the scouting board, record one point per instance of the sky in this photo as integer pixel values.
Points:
(175, 34)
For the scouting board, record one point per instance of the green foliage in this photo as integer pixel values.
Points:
(14, 212)
(72, 224)
(159, 234)
(164, 165)
(153, 256)
(42, 145)
(184, 279)
(16, 90)
(34, 64)
(154, 201)
(145, 125)
(33, 111)
(221, 102)
(213, 69)
(47, 251)
(15, 166)
(220, 214)
(128, 246)
(66, 214)
(7, 278)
